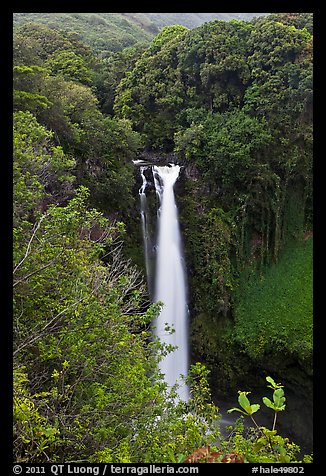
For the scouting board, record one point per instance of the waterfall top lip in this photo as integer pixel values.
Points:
(155, 157)
(146, 163)
(140, 162)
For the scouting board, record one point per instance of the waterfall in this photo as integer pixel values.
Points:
(170, 281)
(144, 222)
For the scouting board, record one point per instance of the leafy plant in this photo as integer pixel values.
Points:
(263, 444)
(278, 403)
(247, 408)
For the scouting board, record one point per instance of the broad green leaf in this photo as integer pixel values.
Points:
(268, 403)
(279, 398)
(255, 407)
(244, 402)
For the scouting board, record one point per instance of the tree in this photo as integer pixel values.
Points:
(70, 66)
(28, 91)
(152, 93)
(108, 76)
(76, 321)
(232, 143)
(42, 172)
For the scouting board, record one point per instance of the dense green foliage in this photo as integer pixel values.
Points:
(105, 33)
(108, 33)
(274, 315)
(55, 78)
(233, 102)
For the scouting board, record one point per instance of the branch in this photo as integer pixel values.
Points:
(36, 227)
(38, 270)
(42, 332)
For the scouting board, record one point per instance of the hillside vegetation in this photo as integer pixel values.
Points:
(107, 33)
(274, 312)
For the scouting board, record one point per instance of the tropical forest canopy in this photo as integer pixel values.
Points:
(106, 33)
(232, 102)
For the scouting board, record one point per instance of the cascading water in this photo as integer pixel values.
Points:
(143, 215)
(170, 281)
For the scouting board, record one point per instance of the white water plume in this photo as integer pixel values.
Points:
(170, 282)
